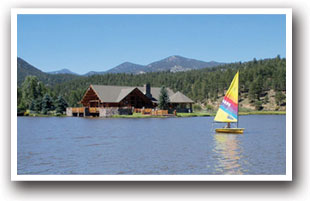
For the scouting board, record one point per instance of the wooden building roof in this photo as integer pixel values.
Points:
(111, 94)
(114, 94)
(180, 98)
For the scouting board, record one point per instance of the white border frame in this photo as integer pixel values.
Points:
(16, 177)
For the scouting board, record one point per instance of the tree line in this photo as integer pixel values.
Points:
(256, 78)
(34, 96)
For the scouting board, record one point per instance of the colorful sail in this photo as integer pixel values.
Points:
(228, 111)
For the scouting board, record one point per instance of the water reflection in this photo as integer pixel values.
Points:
(228, 153)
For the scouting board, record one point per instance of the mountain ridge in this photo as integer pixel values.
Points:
(62, 71)
(174, 63)
(25, 69)
(178, 63)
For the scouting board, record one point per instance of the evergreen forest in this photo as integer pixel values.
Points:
(205, 86)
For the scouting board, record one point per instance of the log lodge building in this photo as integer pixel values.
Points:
(104, 100)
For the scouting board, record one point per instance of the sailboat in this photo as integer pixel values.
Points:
(228, 110)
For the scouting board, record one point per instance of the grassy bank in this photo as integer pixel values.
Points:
(45, 115)
(207, 114)
(200, 114)
(263, 113)
(194, 114)
(29, 113)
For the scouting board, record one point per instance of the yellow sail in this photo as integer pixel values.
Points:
(228, 110)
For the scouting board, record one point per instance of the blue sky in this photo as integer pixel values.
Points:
(83, 43)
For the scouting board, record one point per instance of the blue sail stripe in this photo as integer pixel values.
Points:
(228, 112)
(229, 109)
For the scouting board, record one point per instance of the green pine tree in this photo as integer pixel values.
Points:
(32, 105)
(47, 104)
(163, 99)
(28, 90)
(61, 105)
(37, 105)
(258, 105)
(280, 98)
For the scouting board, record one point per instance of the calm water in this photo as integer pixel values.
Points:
(56, 145)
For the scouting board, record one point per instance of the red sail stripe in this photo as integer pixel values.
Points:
(234, 105)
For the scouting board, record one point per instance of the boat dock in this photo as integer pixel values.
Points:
(110, 111)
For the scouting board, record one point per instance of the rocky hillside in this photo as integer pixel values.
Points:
(269, 102)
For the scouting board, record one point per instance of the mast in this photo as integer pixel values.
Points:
(238, 102)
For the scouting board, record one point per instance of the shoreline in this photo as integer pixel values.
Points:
(179, 115)
(240, 113)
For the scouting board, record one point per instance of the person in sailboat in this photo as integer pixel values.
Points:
(228, 125)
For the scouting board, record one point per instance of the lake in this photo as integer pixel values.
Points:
(72, 145)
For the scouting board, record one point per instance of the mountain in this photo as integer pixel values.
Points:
(25, 69)
(127, 67)
(172, 64)
(177, 63)
(62, 71)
